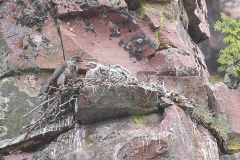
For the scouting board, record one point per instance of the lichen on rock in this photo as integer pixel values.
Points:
(151, 116)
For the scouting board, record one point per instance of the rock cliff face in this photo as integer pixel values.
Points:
(155, 40)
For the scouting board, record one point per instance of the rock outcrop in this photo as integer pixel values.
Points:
(154, 119)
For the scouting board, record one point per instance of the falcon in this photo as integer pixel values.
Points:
(66, 71)
(92, 68)
(98, 74)
(130, 78)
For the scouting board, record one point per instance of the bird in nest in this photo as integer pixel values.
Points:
(66, 71)
(131, 79)
(110, 75)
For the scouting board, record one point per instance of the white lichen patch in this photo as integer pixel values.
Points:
(3, 81)
(37, 38)
(3, 131)
(114, 3)
(30, 103)
(3, 100)
(3, 109)
(30, 86)
(3, 106)
(30, 79)
(217, 85)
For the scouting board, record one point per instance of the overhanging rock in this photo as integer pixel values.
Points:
(99, 103)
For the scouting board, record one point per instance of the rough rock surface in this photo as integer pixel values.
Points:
(155, 40)
(225, 103)
(135, 137)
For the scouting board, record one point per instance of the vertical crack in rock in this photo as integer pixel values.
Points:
(55, 7)
(4, 52)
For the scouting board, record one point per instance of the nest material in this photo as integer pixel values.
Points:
(56, 106)
(61, 103)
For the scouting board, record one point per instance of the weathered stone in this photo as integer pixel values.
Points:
(15, 101)
(133, 44)
(230, 157)
(198, 21)
(27, 45)
(170, 27)
(213, 44)
(135, 137)
(179, 128)
(36, 138)
(152, 41)
(4, 53)
(172, 62)
(129, 43)
(165, 102)
(225, 103)
(86, 8)
(99, 103)
(18, 96)
(24, 155)
(192, 88)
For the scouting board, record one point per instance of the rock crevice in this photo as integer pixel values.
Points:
(170, 112)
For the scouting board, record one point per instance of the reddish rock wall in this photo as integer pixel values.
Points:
(155, 40)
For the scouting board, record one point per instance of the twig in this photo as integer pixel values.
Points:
(63, 117)
(39, 119)
(61, 111)
(56, 107)
(38, 107)
(67, 102)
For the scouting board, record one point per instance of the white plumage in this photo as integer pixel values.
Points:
(98, 74)
(93, 69)
(131, 79)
